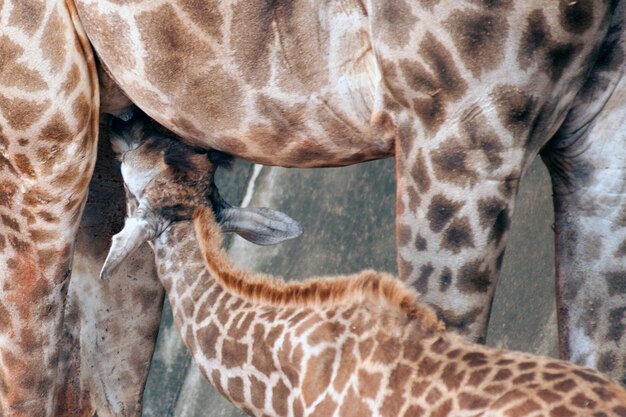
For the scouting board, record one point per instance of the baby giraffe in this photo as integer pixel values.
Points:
(356, 345)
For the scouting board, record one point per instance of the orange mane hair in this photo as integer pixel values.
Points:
(368, 284)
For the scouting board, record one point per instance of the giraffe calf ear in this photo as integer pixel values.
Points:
(136, 231)
(262, 226)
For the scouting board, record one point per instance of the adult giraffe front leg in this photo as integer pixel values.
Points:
(48, 133)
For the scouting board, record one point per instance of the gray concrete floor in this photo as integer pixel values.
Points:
(348, 217)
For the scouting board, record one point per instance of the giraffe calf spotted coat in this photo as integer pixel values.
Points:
(343, 346)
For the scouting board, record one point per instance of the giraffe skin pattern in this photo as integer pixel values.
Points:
(359, 345)
(464, 94)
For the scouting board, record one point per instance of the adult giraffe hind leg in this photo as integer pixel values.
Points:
(587, 162)
(48, 132)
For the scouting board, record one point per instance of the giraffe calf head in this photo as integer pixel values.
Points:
(166, 180)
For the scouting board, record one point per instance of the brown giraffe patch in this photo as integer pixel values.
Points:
(216, 94)
(172, 49)
(206, 15)
(565, 386)
(441, 85)
(81, 107)
(42, 236)
(576, 16)
(494, 215)
(387, 349)
(428, 366)
(412, 351)
(617, 324)
(445, 279)
(477, 377)
(325, 332)
(537, 42)
(440, 211)
(10, 222)
(524, 378)
(234, 353)
(482, 31)
(353, 406)
(26, 15)
(580, 400)
(369, 383)
(473, 278)
(317, 375)
(257, 392)
(21, 114)
(251, 24)
(616, 282)
(515, 109)
(452, 377)
(421, 285)
(53, 42)
(559, 57)
(472, 402)
(433, 396)
(7, 192)
(262, 357)
(207, 337)
(458, 236)
(22, 163)
(235, 389)
(17, 74)
(549, 396)
(347, 365)
(420, 243)
(396, 22)
(450, 163)
(607, 362)
(535, 37)
(420, 173)
(71, 80)
(481, 136)
(298, 32)
(280, 396)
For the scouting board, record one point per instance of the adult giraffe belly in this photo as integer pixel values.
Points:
(273, 85)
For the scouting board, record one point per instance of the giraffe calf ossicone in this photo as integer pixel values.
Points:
(356, 345)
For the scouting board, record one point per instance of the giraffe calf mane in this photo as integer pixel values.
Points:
(366, 285)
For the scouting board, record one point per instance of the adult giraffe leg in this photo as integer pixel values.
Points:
(110, 325)
(587, 162)
(48, 133)
(454, 203)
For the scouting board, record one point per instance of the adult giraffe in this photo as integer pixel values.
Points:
(311, 84)
(464, 94)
